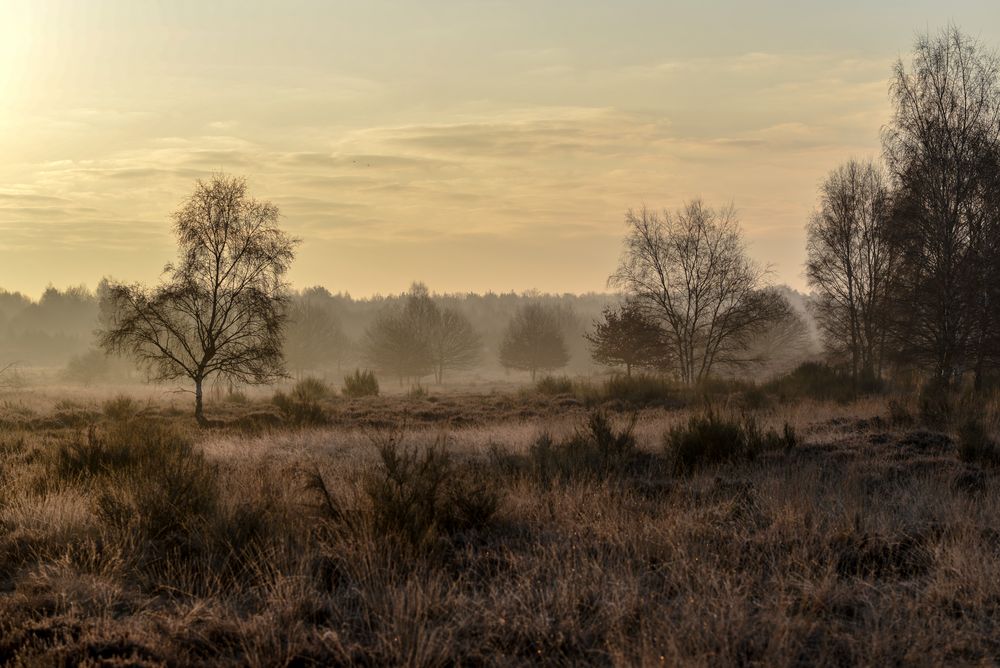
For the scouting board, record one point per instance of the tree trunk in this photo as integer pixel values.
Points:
(199, 408)
(628, 370)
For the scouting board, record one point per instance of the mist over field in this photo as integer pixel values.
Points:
(499, 334)
(53, 339)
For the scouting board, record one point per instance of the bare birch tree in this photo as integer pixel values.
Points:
(222, 307)
(852, 265)
(690, 272)
(941, 146)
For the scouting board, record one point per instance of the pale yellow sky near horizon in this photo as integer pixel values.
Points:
(473, 146)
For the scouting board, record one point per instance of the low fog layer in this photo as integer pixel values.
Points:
(54, 337)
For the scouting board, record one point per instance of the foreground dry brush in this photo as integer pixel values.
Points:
(827, 535)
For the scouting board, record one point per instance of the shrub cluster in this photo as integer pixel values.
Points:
(712, 439)
(311, 389)
(975, 445)
(151, 482)
(361, 384)
(937, 404)
(596, 450)
(421, 497)
(554, 385)
(639, 389)
(120, 407)
(302, 406)
(820, 381)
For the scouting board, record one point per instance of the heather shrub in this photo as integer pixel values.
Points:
(237, 397)
(975, 445)
(899, 413)
(418, 391)
(554, 385)
(361, 384)
(148, 477)
(937, 404)
(310, 389)
(299, 412)
(713, 439)
(819, 381)
(419, 496)
(640, 389)
(597, 449)
(120, 408)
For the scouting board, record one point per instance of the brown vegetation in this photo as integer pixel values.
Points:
(555, 538)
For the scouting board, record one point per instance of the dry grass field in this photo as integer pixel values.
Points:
(492, 529)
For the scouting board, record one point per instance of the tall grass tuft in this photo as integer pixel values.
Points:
(361, 384)
(311, 389)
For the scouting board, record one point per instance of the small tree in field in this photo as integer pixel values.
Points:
(222, 307)
(627, 337)
(533, 341)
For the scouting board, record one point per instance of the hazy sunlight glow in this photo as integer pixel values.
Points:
(450, 142)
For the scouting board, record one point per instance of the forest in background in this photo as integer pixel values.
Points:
(55, 334)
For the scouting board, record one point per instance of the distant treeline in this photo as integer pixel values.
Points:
(49, 331)
(326, 334)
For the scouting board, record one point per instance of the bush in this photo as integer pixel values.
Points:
(120, 446)
(707, 439)
(301, 407)
(151, 481)
(755, 398)
(361, 384)
(820, 381)
(418, 391)
(421, 496)
(975, 446)
(311, 390)
(299, 412)
(554, 385)
(899, 414)
(639, 389)
(711, 439)
(596, 450)
(121, 407)
(937, 404)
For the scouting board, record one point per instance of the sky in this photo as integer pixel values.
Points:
(471, 145)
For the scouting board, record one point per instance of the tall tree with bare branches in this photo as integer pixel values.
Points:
(852, 265)
(690, 272)
(941, 146)
(222, 306)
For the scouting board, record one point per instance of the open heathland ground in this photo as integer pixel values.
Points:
(494, 529)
